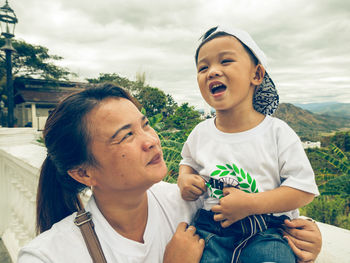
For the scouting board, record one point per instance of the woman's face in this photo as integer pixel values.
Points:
(125, 146)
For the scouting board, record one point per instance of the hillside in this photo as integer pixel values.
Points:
(310, 125)
(328, 108)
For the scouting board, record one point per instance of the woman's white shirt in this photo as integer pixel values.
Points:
(64, 242)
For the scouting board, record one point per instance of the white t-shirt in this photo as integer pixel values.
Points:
(64, 241)
(260, 159)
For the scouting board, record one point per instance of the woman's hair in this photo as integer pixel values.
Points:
(209, 35)
(67, 140)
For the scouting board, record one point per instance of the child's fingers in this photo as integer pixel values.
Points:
(189, 196)
(200, 183)
(196, 191)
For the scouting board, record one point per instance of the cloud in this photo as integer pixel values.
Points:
(306, 42)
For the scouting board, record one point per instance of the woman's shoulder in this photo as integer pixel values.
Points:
(168, 197)
(55, 244)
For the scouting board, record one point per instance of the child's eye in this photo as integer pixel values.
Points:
(202, 68)
(226, 61)
(146, 124)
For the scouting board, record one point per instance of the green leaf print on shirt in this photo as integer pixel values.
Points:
(246, 182)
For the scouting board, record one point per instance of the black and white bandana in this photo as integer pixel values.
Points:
(265, 98)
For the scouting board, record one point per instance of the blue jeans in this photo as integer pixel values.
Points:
(254, 239)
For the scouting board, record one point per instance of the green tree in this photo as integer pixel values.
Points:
(184, 119)
(118, 80)
(153, 100)
(33, 61)
(170, 106)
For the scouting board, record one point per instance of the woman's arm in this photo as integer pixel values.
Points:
(304, 237)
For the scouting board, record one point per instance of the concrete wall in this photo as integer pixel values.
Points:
(20, 159)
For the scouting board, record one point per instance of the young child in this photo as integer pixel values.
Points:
(243, 147)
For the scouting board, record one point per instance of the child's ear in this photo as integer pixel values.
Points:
(82, 175)
(258, 75)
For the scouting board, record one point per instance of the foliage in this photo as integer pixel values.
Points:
(333, 205)
(152, 99)
(170, 106)
(327, 209)
(33, 61)
(184, 119)
(132, 86)
(337, 158)
(338, 185)
(319, 165)
(170, 145)
(340, 139)
(172, 156)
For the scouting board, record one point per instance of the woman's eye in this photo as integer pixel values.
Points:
(125, 137)
(146, 124)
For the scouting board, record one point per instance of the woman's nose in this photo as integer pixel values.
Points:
(149, 141)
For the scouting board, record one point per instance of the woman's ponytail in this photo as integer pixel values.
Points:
(54, 202)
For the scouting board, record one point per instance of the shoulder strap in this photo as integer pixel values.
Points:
(84, 222)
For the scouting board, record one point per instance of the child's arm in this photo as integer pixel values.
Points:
(190, 183)
(237, 204)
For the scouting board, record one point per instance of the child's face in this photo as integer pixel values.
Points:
(226, 74)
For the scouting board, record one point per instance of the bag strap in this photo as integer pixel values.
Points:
(84, 221)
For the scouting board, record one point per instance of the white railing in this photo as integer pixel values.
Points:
(20, 159)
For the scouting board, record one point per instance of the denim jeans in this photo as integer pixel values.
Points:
(254, 239)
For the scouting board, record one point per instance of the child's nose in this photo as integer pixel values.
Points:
(214, 72)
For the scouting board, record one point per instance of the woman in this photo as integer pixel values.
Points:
(98, 138)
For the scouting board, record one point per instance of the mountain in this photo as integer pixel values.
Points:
(328, 108)
(308, 125)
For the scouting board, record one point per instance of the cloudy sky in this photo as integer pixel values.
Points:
(307, 42)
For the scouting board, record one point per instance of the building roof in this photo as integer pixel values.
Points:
(35, 96)
(44, 91)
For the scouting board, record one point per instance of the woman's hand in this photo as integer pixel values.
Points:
(304, 237)
(185, 246)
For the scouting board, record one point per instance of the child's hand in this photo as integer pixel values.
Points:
(191, 186)
(234, 206)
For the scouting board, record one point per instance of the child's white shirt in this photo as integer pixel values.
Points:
(271, 153)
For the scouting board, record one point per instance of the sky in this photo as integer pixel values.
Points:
(307, 42)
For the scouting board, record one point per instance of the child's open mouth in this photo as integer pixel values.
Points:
(218, 89)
